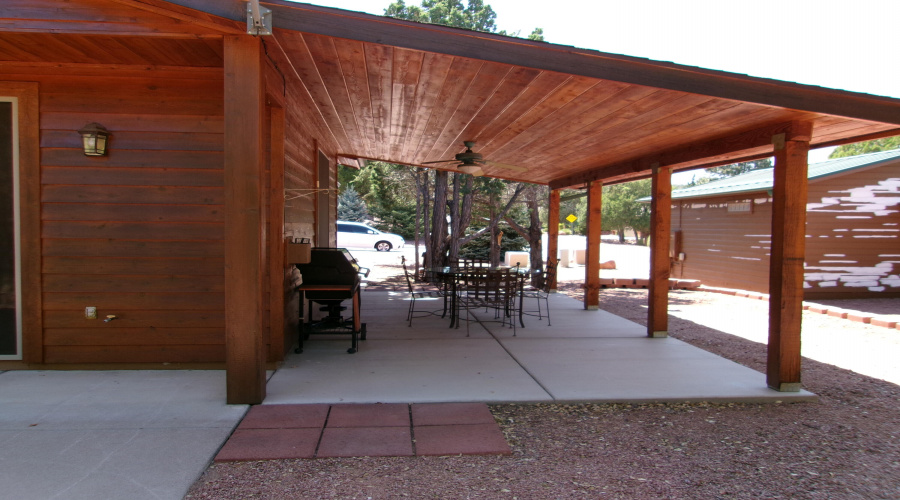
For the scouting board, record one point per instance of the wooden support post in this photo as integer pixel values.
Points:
(592, 253)
(660, 226)
(553, 233)
(281, 340)
(244, 160)
(787, 258)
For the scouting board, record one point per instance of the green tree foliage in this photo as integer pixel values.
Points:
(480, 247)
(572, 202)
(401, 220)
(456, 197)
(351, 207)
(621, 209)
(474, 15)
(387, 190)
(725, 171)
(861, 148)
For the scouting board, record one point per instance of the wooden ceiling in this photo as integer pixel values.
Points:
(412, 107)
(410, 93)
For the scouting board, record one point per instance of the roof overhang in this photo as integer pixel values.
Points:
(411, 93)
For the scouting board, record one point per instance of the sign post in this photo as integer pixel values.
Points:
(571, 218)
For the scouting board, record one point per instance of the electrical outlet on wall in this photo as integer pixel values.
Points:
(90, 313)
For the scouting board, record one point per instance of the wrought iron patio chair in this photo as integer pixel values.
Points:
(490, 289)
(539, 289)
(419, 292)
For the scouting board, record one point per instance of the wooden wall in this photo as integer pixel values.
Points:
(725, 248)
(137, 234)
(305, 136)
(852, 243)
(853, 233)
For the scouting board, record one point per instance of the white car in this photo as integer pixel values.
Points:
(359, 235)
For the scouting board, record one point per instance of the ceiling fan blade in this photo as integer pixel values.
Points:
(439, 161)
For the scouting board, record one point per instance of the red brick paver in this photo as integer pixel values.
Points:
(271, 432)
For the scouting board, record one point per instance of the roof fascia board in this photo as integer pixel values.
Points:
(751, 144)
(570, 60)
(187, 15)
(236, 10)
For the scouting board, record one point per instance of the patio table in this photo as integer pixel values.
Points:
(452, 276)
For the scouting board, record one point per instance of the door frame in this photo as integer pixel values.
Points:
(29, 250)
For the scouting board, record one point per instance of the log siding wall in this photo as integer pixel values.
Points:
(852, 240)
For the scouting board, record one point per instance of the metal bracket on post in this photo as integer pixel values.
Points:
(259, 19)
(778, 141)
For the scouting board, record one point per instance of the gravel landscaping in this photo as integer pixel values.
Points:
(843, 446)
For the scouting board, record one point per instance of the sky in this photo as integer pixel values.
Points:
(840, 44)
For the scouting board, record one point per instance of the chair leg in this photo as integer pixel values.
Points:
(466, 307)
(547, 303)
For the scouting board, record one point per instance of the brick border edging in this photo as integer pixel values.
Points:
(833, 311)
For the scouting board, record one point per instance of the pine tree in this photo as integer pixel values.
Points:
(860, 148)
(351, 207)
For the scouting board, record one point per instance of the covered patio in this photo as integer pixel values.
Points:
(225, 145)
(585, 356)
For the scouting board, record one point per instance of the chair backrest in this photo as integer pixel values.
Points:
(409, 284)
(493, 285)
(549, 276)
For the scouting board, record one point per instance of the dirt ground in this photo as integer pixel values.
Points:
(844, 446)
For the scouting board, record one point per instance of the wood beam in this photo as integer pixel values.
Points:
(787, 257)
(752, 144)
(584, 62)
(592, 252)
(660, 227)
(553, 233)
(244, 160)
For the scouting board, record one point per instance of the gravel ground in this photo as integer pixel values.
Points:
(844, 446)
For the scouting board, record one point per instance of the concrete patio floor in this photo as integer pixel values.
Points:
(136, 434)
(585, 356)
(149, 434)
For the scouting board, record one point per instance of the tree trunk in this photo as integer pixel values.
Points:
(494, 221)
(418, 178)
(426, 216)
(437, 248)
(454, 220)
(494, 254)
(465, 211)
(534, 231)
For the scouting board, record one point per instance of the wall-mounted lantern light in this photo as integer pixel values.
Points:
(95, 137)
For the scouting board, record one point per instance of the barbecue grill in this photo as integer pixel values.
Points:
(331, 277)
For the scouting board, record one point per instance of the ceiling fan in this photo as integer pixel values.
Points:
(470, 161)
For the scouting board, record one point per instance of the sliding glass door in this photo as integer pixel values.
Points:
(10, 296)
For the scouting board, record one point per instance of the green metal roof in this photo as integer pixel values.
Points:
(761, 180)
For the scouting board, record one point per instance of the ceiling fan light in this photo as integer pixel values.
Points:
(470, 169)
